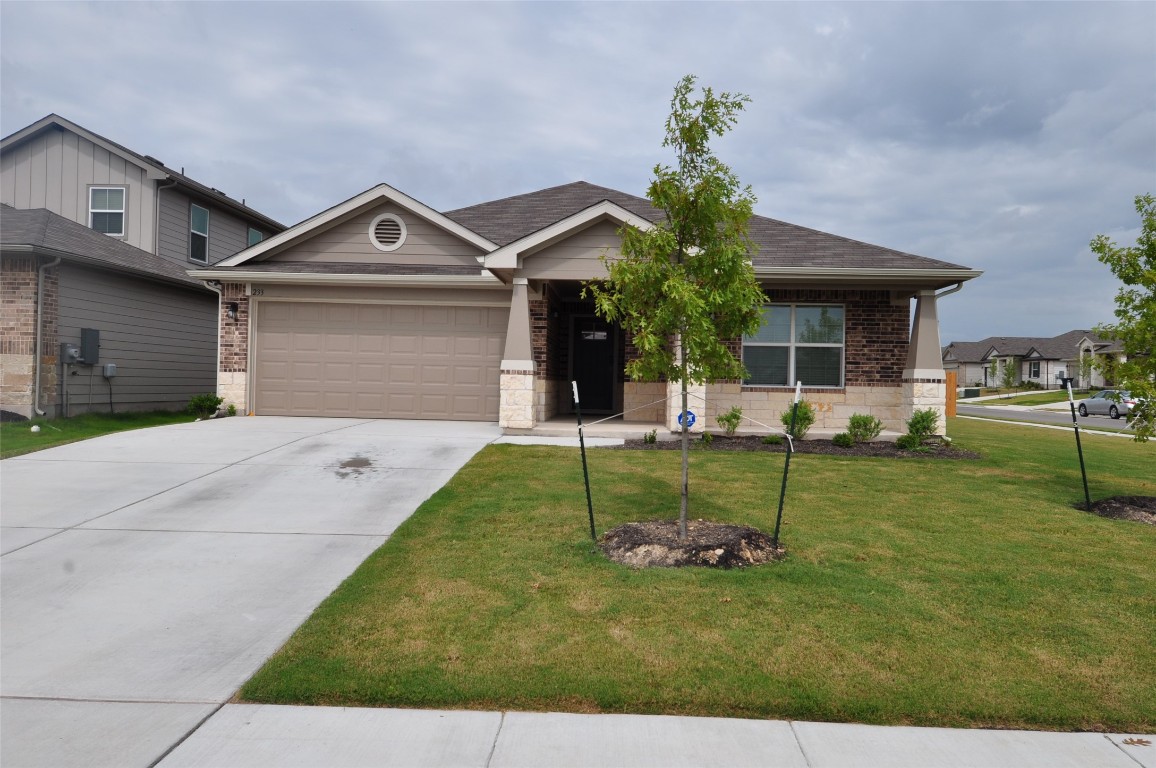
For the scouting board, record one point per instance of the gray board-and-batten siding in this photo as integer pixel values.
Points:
(162, 338)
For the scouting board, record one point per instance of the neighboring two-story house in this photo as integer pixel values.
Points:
(95, 241)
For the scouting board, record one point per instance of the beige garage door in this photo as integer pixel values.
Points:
(378, 361)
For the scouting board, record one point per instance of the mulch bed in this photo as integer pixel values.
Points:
(1141, 509)
(935, 449)
(655, 544)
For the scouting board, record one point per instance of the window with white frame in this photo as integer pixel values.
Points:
(1034, 369)
(198, 234)
(797, 342)
(106, 210)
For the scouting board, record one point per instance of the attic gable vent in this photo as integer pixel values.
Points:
(387, 232)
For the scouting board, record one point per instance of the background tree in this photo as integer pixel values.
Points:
(1086, 369)
(686, 285)
(1135, 326)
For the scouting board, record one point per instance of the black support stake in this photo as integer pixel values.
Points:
(1079, 448)
(787, 465)
(585, 470)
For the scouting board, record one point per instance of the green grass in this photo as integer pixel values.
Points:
(1036, 398)
(17, 438)
(916, 591)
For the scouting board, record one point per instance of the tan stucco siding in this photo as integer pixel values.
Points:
(55, 170)
(576, 257)
(348, 241)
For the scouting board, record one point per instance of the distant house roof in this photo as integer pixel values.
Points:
(779, 244)
(41, 232)
(155, 167)
(1062, 347)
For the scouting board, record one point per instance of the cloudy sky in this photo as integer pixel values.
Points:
(998, 136)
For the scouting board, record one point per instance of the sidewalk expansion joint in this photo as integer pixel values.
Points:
(799, 744)
(494, 746)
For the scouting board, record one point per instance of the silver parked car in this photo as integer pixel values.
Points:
(1109, 402)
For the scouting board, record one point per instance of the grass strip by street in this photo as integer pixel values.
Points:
(1034, 398)
(17, 437)
(916, 591)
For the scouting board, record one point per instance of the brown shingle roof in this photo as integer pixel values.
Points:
(1062, 347)
(779, 244)
(41, 230)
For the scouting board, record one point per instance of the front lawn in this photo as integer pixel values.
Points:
(17, 437)
(916, 591)
(1035, 398)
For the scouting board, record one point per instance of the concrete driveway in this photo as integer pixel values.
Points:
(145, 576)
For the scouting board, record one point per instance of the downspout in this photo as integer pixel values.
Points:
(216, 287)
(157, 216)
(36, 354)
(949, 291)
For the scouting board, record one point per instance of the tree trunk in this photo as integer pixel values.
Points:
(682, 507)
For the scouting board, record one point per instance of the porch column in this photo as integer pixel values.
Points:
(516, 407)
(924, 380)
(695, 402)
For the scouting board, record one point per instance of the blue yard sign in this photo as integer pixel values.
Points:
(689, 416)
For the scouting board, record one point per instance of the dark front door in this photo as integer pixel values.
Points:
(594, 350)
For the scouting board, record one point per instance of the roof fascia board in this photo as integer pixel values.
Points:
(416, 281)
(380, 192)
(842, 272)
(507, 256)
(152, 171)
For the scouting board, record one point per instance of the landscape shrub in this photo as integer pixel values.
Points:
(803, 421)
(730, 420)
(707, 439)
(772, 440)
(909, 442)
(843, 440)
(651, 437)
(204, 406)
(863, 427)
(923, 423)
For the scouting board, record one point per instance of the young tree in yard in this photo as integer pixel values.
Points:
(1008, 375)
(686, 285)
(1135, 326)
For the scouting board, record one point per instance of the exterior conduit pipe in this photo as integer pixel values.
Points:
(36, 352)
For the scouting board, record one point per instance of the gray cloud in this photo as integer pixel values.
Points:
(1001, 136)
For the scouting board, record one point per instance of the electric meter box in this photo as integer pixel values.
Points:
(69, 353)
(89, 346)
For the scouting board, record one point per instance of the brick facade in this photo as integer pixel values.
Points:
(234, 334)
(18, 335)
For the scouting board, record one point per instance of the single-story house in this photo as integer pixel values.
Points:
(1043, 361)
(384, 307)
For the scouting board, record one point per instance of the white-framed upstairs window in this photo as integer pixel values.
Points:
(106, 207)
(255, 236)
(797, 342)
(198, 234)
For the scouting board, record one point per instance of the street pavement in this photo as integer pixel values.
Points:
(146, 575)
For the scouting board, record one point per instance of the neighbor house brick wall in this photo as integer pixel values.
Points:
(18, 334)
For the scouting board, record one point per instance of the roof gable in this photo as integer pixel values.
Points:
(374, 196)
(154, 169)
(509, 256)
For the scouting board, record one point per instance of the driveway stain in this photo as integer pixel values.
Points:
(355, 466)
